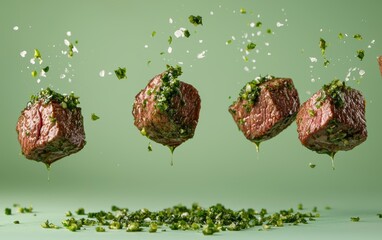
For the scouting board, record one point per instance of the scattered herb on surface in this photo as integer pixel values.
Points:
(80, 211)
(100, 229)
(120, 73)
(8, 211)
(25, 209)
(68, 214)
(47, 95)
(94, 117)
(196, 20)
(169, 40)
(259, 24)
(357, 36)
(16, 222)
(354, 219)
(169, 88)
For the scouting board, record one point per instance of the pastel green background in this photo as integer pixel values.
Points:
(218, 164)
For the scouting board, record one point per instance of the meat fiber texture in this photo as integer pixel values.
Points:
(174, 126)
(380, 64)
(49, 132)
(274, 109)
(325, 128)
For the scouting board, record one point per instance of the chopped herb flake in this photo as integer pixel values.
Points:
(94, 117)
(312, 165)
(251, 46)
(149, 148)
(37, 54)
(46, 69)
(311, 112)
(379, 215)
(169, 40)
(243, 11)
(8, 211)
(47, 95)
(153, 34)
(360, 54)
(357, 36)
(354, 219)
(120, 73)
(269, 31)
(259, 24)
(196, 20)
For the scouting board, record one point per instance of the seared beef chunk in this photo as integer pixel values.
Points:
(380, 63)
(333, 119)
(167, 110)
(51, 127)
(265, 107)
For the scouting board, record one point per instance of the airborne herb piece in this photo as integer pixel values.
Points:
(37, 54)
(379, 215)
(269, 31)
(340, 36)
(169, 40)
(153, 34)
(259, 24)
(312, 165)
(326, 62)
(80, 211)
(196, 20)
(120, 73)
(251, 46)
(8, 211)
(169, 88)
(354, 219)
(48, 95)
(357, 36)
(228, 42)
(328, 208)
(34, 73)
(360, 54)
(187, 33)
(243, 11)
(335, 90)
(300, 207)
(94, 117)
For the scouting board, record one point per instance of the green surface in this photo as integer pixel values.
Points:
(218, 164)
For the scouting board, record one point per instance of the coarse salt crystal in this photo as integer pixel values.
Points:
(361, 72)
(258, 15)
(233, 38)
(373, 41)
(15, 28)
(70, 80)
(102, 73)
(279, 24)
(211, 13)
(200, 41)
(312, 80)
(246, 69)
(170, 20)
(181, 63)
(169, 50)
(38, 80)
(32, 61)
(62, 76)
(201, 55)
(23, 53)
(313, 59)
(67, 43)
(252, 24)
(146, 46)
(68, 33)
(266, 44)
(109, 73)
(269, 54)
(43, 73)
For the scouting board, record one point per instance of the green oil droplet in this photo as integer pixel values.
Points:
(48, 168)
(257, 146)
(172, 148)
(332, 154)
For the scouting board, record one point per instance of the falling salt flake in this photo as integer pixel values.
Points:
(211, 13)
(254, 67)
(15, 28)
(313, 59)
(38, 80)
(169, 50)
(246, 69)
(361, 72)
(322, 30)
(279, 24)
(70, 80)
(312, 80)
(180, 32)
(233, 38)
(67, 43)
(64, 52)
(258, 33)
(23, 53)
(146, 46)
(68, 33)
(170, 20)
(372, 42)
(266, 44)
(200, 41)
(257, 51)
(258, 15)
(311, 66)
(269, 54)
(252, 24)
(62, 76)
(201, 55)
(75, 50)
(32, 61)
(42, 73)
(188, 51)
(69, 65)
(369, 46)
(254, 60)
(181, 63)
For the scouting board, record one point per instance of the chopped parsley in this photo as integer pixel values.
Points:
(251, 46)
(243, 11)
(357, 36)
(149, 147)
(169, 88)
(153, 34)
(335, 90)
(355, 219)
(100, 229)
(360, 54)
(34, 73)
(379, 215)
(120, 73)
(340, 36)
(322, 46)
(312, 165)
(16, 222)
(48, 95)
(259, 24)
(311, 112)
(94, 117)
(37, 54)
(228, 41)
(251, 90)
(196, 20)
(169, 40)
(269, 31)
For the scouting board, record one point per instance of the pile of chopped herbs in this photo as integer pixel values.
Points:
(168, 89)
(335, 90)
(208, 221)
(48, 95)
(251, 90)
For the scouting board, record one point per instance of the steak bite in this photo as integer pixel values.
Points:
(333, 119)
(51, 127)
(265, 107)
(167, 110)
(380, 63)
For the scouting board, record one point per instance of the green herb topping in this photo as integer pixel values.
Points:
(48, 95)
(196, 20)
(50, 225)
(322, 46)
(251, 90)
(94, 117)
(46, 69)
(186, 33)
(34, 73)
(169, 88)
(360, 54)
(335, 90)
(8, 211)
(121, 73)
(169, 40)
